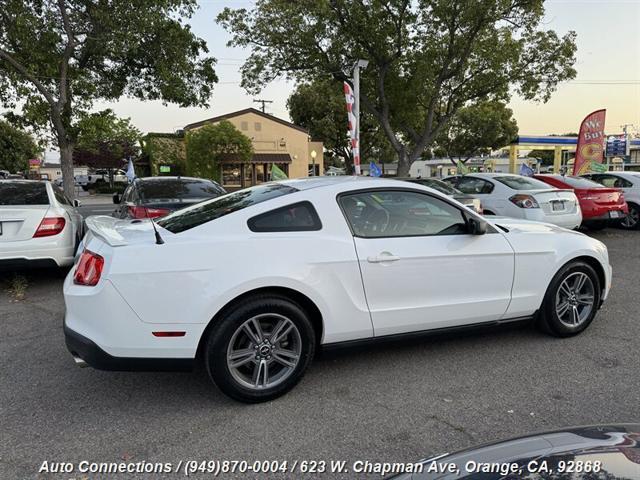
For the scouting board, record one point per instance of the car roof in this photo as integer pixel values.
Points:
(171, 178)
(342, 180)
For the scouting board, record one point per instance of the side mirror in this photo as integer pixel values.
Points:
(476, 226)
(76, 202)
(116, 198)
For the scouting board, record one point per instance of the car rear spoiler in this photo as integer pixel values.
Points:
(103, 227)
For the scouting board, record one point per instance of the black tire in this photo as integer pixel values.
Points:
(634, 212)
(549, 321)
(488, 212)
(225, 331)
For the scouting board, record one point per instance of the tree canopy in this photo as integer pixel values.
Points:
(104, 140)
(476, 130)
(427, 58)
(16, 148)
(58, 57)
(207, 145)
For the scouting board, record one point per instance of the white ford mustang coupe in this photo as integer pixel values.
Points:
(253, 282)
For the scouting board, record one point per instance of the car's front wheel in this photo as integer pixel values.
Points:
(260, 349)
(572, 300)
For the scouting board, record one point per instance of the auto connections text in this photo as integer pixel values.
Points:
(215, 468)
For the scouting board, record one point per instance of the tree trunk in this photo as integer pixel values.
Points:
(66, 165)
(403, 163)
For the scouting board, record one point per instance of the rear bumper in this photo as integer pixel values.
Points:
(568, 220)
(9, 264)
(604, 217)
(81, 347)
(43, 251)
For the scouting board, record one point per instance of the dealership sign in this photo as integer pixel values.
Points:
(617, 145)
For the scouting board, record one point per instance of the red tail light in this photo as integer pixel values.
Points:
(49, 227)
(142, 212)
(89, 269)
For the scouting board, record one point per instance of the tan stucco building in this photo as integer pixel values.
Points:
(275, 141)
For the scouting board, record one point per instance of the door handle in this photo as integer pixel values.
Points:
(383, 257)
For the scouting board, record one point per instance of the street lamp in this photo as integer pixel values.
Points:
(314, 154)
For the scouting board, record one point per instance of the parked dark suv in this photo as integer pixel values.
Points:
(157, 196)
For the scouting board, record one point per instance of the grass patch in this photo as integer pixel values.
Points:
(18, 287)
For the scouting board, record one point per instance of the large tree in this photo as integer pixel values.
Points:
(57, 57)
(427, 58)
(103, 140)
(477, 130)
(16, 148)
(208, 145)
(319, 106)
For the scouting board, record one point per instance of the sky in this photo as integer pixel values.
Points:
(608, 66)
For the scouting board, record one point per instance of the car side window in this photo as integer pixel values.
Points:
(298, 217)
(400, 213)
(126, 194)
(60, 196)
(613, 181)
(474, 186)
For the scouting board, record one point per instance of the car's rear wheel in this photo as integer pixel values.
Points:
(260, 349)
(632, 220)
(572, 300)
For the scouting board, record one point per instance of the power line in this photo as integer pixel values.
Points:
(263, 102)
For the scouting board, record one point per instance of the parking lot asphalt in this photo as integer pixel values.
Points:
(397, 402)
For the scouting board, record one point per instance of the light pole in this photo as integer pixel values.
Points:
(313, 161)
(356, 106)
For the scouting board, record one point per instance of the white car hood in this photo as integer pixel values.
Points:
(517, 225)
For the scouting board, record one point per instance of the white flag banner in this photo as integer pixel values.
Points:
(355, 148)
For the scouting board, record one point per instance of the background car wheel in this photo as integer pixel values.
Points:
(632, 220)
(572, 300)
(260, 349)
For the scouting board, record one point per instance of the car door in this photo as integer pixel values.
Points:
(484, 191)
(420, 267)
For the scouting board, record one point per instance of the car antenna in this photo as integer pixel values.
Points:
(159, 240)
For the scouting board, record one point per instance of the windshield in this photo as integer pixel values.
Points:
(177, 190)
(522, 183)
(438, 185)
(23, 193)
(190, 217)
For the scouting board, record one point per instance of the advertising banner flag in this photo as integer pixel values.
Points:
(590, 149)
(355, 148)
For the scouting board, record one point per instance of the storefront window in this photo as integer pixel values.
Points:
(231, 176)
(248, 174)
(260, 178)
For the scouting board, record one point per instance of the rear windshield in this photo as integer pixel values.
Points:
(200, 213)
(579, 182)
(522, 183)
(23, 193)
(157, 191)
(437, 185)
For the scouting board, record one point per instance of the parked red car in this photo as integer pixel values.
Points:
(601, 206)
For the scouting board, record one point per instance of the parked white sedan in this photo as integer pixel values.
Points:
(517, 196)
(629, 183)
(39, 225)
(253, 282)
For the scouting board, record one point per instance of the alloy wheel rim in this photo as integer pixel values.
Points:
(575, 299)
(632, 218)
(264, 351)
